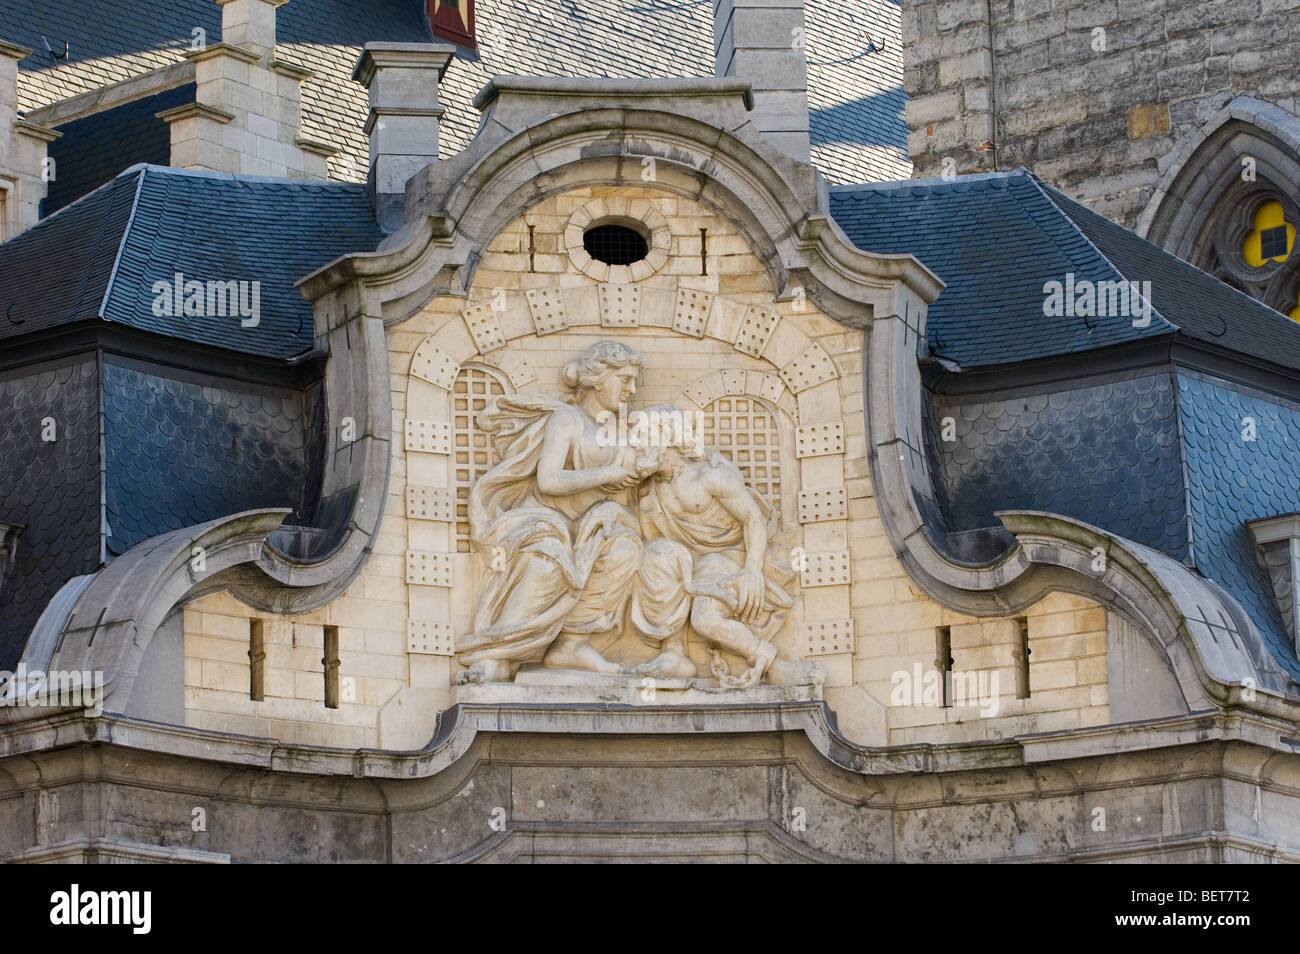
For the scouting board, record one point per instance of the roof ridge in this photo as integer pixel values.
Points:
(896, 185)
(1074, 227)
(121, 245)
(246, 177)
(1171, 256)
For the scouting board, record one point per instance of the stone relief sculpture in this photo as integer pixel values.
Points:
(589, 536)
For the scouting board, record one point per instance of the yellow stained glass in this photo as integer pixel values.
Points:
(1272, 238)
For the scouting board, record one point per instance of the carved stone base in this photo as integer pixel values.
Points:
(541, 686)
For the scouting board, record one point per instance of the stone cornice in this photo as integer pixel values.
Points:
(13, 50)
(293, 70)
(582, 90)
(315, 147)
(411, 56)
(114, 94)
(377, 113)
(195, 111)
(36, 131)
(32, 730)
(221, 49)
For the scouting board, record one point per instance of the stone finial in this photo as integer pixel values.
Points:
(762, 42)
(402, 80)
(246, 116)
(250, 24)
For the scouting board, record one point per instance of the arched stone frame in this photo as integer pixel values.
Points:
(797, 377)
(1202, 207)
(618, 210)
(541, 137)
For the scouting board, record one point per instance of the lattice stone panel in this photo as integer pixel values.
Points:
(430, 638)
(620, 306)
(747, 432)
(429, 437)
(810, 369)
(428, 567)
(472, 456)
(430, 503)
(822, 503)
(827, 568)
(692, 312)
(755, 330)
(818, 440)
(825, 637)
(484, 327)
(546, 305)
(435, 366)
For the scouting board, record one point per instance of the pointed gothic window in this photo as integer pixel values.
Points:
(1271, 238)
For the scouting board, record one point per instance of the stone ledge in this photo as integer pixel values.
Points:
(35, 130)
(585, 89)
(459, 726)
(569, 687)
(195, 111)
(220, 49)
(14, 51)
(112, 851)
(115, 94)
(323, 149)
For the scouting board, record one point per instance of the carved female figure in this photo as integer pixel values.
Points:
(555, 521)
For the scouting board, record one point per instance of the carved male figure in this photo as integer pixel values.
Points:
(707, 560)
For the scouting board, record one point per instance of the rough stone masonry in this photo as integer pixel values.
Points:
(1090, 96)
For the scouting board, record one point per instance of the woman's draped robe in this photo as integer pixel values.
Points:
(568, 560)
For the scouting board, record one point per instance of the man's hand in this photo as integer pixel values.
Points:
(752, 590)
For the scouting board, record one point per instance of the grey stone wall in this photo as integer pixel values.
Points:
(748, 796)
(1087, 95)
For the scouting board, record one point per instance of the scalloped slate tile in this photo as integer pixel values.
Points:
(1086, 453)
(180, 453)
(1231, 481)
(52, 488)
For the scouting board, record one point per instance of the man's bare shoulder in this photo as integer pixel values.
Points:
(720, 475)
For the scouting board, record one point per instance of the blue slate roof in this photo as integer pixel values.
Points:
(995, 239)
(96, 148)
(1231, 480)
(1204, 308)
(1105, 452)
(1158, 455)
(179, 453)
(998, 238)
(152, 222)
(51, 487)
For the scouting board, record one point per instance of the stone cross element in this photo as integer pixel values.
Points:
(590, 537)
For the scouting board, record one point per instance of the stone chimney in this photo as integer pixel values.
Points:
(762, 43)
(402, 80)
(247, 116)
(23, 175)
